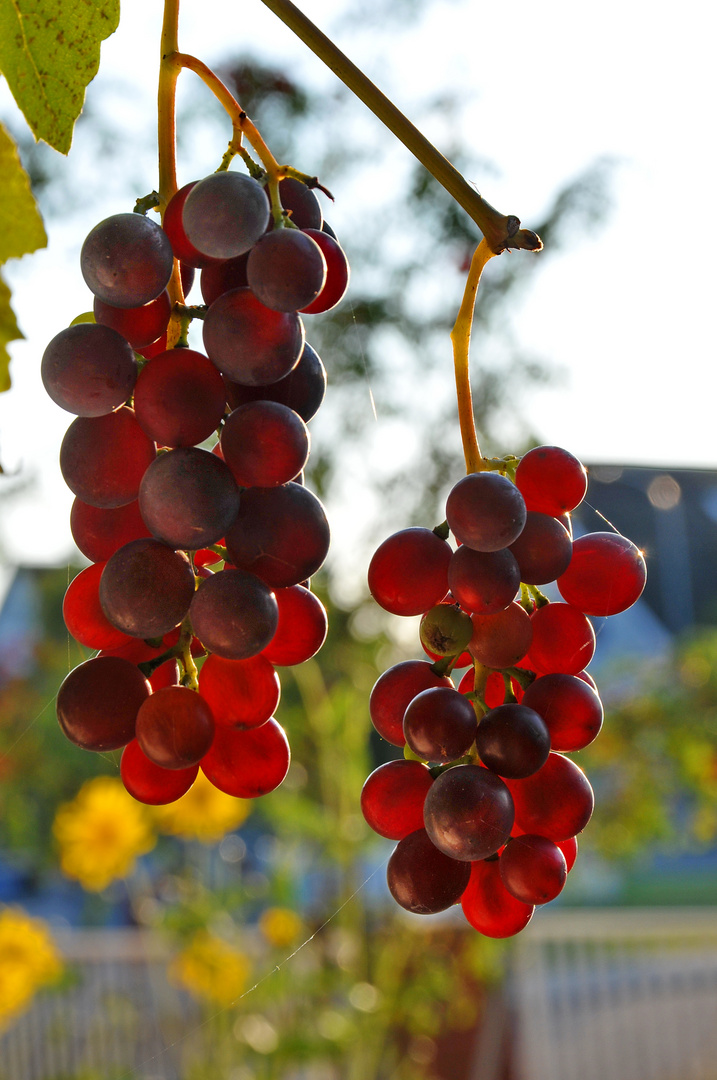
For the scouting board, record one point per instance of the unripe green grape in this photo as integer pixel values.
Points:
(445, 630)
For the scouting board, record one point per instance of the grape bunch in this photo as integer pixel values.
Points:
(201, 548)
(486, 805)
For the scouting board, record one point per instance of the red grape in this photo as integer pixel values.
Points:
(408, 573)
(423, 879)
(248, 764)
(392, 798)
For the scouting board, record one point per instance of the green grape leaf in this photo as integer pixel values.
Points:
(9, 331)
(49, 52)
(21, 228)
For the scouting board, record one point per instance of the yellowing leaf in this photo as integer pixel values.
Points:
(9, 331)
(49, 52)
(21, 228)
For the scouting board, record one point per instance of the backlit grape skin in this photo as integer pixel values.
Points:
(103, 458)
(607, 574)
(392, 798)
(533, 869)
(248, 764)
(175, 727)
(149, 783)
(489, 907)
(557, 801)
(408, 573)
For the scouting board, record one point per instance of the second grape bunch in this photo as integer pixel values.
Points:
(200, 555)
(485, 805)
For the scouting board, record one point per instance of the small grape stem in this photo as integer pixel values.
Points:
(167, 145)
(190, 678)
(500, 230)
(461, 338)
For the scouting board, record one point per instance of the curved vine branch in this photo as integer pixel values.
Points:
(501, 231)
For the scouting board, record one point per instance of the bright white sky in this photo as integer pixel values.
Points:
(627, 313)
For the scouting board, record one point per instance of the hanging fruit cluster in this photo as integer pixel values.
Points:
(486, 806)
(196, 550)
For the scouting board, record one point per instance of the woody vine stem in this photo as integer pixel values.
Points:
(500, 231)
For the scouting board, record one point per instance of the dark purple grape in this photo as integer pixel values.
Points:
(513, 741)
(103, 458)
(300, 200)
(127, 260)
(543, 549)
(146, 588)
(483, 581)
(225, 214)
(248, 342)
(264, 444)
(423, 879)
(172, 225)
(440, 724)
(468, 812)
(393, 692)
(280, 534)
(302, 390)
(234, 614)
(179, 399)
(88, 370)
(485, 511)
(286, 270)
(188, 498)
(98, 701)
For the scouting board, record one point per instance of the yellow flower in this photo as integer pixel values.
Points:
(280, 926)
(205, 813)
(101, 833)
(210, 968)
(28, 960)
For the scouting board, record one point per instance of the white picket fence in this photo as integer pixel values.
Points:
(616, 994)
(609, 994)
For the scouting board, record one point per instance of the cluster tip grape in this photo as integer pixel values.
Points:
(187, 469)
(486, 806)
